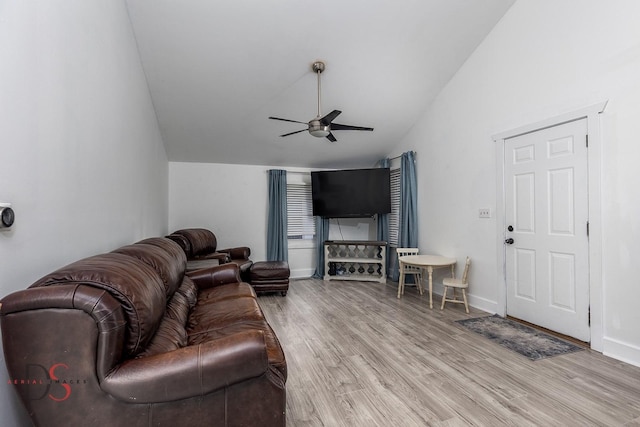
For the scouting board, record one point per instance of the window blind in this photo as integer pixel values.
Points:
(300, 222)
(394, 216)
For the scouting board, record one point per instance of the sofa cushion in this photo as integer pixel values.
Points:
(189, 290)
(229, 291)
(169, 336)
(183, 242)
(219, 314)
(133, 283)
(168, 245)
(178, 308)
(170, 265)
(202, 241)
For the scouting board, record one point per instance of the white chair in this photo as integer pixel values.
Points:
(409, 270)
(462, 283)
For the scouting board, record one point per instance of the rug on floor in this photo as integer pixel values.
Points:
(520, 338)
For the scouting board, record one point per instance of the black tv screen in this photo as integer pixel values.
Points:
(351, 193)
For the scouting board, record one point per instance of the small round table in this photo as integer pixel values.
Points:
(425, 261)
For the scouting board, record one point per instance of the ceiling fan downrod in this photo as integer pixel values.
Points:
(318, 67)
(316, 127)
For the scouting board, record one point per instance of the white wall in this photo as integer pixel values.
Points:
(81, 157)
(352, 229)
(232, 201)
(543, 59)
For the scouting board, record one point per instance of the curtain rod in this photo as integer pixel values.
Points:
(397, 157)
(288, 171)
(306, 172)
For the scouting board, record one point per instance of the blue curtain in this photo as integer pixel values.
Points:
(382, 227)
(408, 227)
(277, 244)
(322, 234)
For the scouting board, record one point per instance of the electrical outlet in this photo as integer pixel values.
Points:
(484, 213)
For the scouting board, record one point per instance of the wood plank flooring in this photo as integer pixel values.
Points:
(358, 356)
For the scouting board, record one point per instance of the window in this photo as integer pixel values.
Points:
(300, 221)
(394, 216)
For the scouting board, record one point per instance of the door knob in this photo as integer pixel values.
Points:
(510, 228)
(509, 241)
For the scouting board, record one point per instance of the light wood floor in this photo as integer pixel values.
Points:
(358, 356)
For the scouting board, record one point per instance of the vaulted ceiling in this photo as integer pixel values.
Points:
(217, 69)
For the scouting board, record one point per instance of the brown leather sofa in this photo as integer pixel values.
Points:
(201, 247)
(126, 338)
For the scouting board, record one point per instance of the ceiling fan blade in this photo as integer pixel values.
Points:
(331, 138)
(337, 126)
(329, 117)
(287, 120)
(293, 133)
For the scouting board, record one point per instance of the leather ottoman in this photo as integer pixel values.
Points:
(270, 276)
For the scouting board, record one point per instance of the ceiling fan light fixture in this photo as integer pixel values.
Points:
(320, 133)
(318, 130)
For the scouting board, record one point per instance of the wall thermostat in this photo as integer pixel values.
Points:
(7, 216)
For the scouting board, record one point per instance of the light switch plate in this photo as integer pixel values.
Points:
(484, 213)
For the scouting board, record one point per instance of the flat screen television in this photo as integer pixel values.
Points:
(351, 193)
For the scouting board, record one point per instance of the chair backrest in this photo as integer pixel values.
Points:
(407, 251)
(465, 273)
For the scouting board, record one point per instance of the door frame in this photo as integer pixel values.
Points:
(592, 114)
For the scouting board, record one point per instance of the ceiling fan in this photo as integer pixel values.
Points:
(322, 126)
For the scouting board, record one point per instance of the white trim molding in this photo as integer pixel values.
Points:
(619, 350)
(592, 114)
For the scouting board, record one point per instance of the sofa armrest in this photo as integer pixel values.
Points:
(215, 276)
(241, 252)
(223, 257)
(189, 371)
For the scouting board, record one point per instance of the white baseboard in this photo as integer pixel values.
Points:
(483, 304)
(474, 301)
(302, 273)
(622, 351)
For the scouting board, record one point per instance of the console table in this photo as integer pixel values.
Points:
(355, 260)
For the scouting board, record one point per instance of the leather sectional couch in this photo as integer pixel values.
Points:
(127, 338)
(201, 247)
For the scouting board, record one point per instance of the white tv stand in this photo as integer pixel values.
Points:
(355, 260)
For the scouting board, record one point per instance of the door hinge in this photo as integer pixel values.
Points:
(587, 228)
(586, 138)
(589, 315)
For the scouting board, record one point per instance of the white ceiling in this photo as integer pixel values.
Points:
(217, 69)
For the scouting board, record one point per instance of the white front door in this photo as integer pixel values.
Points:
(547, 253)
